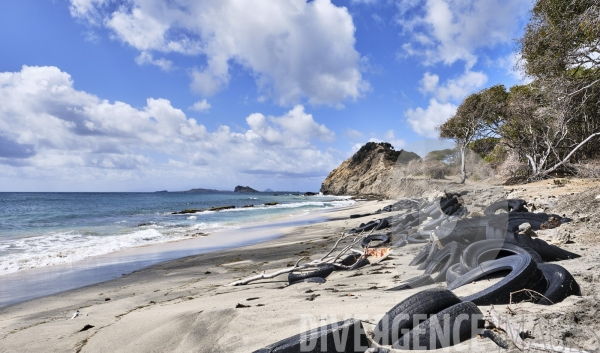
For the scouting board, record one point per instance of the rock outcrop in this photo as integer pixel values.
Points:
(368, 172)
(240, 188)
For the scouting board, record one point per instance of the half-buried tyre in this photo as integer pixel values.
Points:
(453, 273)
(381, 238)
(421, 256)
(524, 274)
(450, 326)
(548, 252)
(492, 249)
(561, 284)
(345, 336)
(361, 262)
(510, 205)
(432, 251)
(446, 257)
(402, 316)
(322, 272)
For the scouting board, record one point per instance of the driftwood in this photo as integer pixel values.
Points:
(515, 335)
(327, 259)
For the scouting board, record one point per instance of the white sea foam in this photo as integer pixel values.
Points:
(191, 217)
(62, 248)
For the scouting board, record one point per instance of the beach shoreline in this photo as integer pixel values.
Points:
(187, 305)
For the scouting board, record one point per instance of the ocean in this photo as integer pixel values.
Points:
(55, 241)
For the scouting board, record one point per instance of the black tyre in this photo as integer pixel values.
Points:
(344, 337)
(432, 251)
(487, 250)
(421, 256)
(311, 280)
(561, 284)
(524, 274)
(464, 231)
(383, 238)
(417, 238)
(453, 273)
(415, 282)
(322, 272)
(401, 317)
(465, 314)
(548, 252)
(446, 257)
(350, 260)
(383, 223)
(510, 205)
(361, 262)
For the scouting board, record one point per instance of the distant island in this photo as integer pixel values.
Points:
(268, 190)
(240, 188)
(200, 191)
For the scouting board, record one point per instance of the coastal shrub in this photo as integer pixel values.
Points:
(586, 169)
(513, 168)
(435, 169)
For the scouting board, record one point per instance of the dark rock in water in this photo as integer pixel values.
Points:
(193, 210)
(145, 224)
(308, 193)
(246, 206)
(270, 204)
(240, 188)
(275, 194)
(219, 208)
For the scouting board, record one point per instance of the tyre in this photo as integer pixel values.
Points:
(350, 260)
(383, 238)
(401, 317)
(415, 282)
(349, 335)
(486, 250)
(453, 273)
(466, 315)
(432, 251)
(383, 223)
(524, 274)
(322, 271)
(561, 284)
(510, 205)
(311, 280)
(417, 238)
(361, 262)
(431, 225)
(547, 252)
(446, 257)
(464, 231)
(421, 256)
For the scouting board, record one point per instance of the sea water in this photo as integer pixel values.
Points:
(46, 229)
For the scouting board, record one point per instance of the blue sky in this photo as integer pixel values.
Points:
(142, 95)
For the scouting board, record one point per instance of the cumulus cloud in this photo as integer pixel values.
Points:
(354, 134)
(201, 106)
(295, 49)
(451, 30)
(49, 127)
(147, 58)
(424, 121)
(455, 88)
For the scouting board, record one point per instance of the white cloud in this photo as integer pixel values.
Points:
(146, 58)
(201, 106)
(50, 130)
(453, 89)
(429, 82)
(295, 49)
(451, 30)
(424, 121)
(390, 137)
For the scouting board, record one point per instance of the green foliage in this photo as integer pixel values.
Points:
(447, 155)
(390, 153)
(484, 146)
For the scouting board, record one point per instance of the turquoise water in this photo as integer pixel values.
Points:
(47, 229)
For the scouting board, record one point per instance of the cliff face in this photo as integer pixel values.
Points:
(368, 171)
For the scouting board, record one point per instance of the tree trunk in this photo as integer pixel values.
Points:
(463, 169)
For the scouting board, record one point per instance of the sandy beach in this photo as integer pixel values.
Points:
(186, 305)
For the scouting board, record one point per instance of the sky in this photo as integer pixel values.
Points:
(144, 95)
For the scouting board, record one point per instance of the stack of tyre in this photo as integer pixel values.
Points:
(471, 251)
